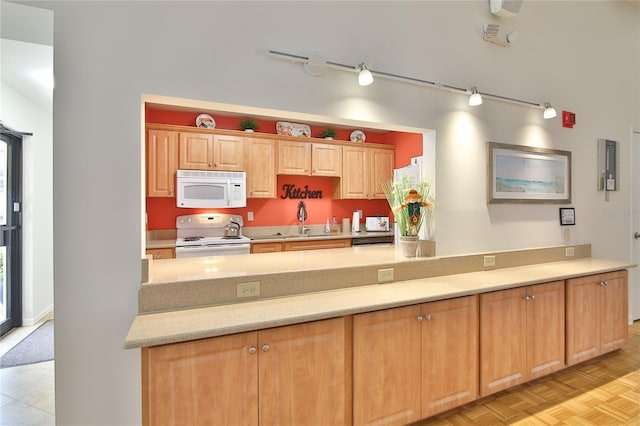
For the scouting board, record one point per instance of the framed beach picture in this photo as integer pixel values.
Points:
(527, 175)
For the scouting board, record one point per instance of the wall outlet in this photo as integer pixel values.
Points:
(249, 216)
(385, 275)
(489, 261)
(569, 252)
(251, 289)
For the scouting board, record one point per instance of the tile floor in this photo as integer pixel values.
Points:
(27, 395)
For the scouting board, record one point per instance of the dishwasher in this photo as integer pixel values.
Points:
(382, 239)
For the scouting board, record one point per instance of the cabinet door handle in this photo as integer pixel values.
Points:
(252, 349)
(266, 347)
(527, 297)
(419, 318)
(427, 316)
(533, 297)
(603, 283)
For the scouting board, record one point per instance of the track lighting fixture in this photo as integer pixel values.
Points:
(475, 99)
(365, 77)
(549, 111)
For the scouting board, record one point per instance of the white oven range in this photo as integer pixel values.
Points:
(208, 234)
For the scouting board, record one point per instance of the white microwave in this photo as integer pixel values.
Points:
(211, 189)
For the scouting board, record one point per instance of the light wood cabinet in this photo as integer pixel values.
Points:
(162, 163)
(204, 151)
(260, 159)
(597, 319)
(450, 353)
(414, 361)
(162, 253)
(309, 159)
(272, 247)
(304, 375)
(209, 381)
(326, 160)
(521, 335)
(266, 247)
(294, 158)
(316, 244)
(364, 172)
(289, 375)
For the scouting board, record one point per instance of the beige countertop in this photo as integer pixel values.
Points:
(188, 324)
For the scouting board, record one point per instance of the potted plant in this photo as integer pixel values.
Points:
(328, 133)
(412, 206)
(248, 125)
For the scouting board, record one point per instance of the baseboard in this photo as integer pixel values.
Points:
(37, 318)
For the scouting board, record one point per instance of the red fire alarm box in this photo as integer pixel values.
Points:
(568, 119)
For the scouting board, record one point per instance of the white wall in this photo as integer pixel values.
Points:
(582, 57)
(21, 114)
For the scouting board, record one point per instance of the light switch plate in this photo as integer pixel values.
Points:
(569, 252)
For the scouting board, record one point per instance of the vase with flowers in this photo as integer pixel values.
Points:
(412, 206)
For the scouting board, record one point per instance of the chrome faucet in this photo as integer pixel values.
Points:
(302, 216)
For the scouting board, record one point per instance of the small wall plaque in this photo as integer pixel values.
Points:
(567, 216)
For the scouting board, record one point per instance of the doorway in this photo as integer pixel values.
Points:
(10, 230)
(634, 274)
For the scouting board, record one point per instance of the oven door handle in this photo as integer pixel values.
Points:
(228, 192)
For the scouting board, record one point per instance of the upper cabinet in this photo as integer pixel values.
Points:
(361, 169)
(162, 162)
(260, 159)
(203, 151)
(309, 159)
(365, 170)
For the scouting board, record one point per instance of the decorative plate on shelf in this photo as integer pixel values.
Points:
(358, 136)
(206, 121)
(284, 128)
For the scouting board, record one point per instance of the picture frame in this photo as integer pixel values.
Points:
(567, 216)
(527, 175)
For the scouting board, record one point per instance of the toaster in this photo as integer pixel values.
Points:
(376, 224)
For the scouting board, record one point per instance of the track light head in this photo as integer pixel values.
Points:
(549, 111)
(475, 99)
(365, 77)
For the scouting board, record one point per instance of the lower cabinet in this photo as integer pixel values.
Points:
(289, 375)
(300, 245)
(388, 367)
(597, 321)
(414, 361)
(521, 335)
(162, 253)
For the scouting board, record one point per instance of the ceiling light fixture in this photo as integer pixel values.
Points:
(365, 77)
(362, 71)
(475, 99)
(549, 111)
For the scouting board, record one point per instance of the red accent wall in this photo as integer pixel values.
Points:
(162, 212)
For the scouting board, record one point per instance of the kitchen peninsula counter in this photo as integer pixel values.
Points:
(188, 299)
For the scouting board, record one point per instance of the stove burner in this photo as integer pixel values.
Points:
(229, 237)
(189, 239)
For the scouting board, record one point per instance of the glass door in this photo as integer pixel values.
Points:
(10, 231)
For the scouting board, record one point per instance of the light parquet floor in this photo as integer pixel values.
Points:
(603, 392)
